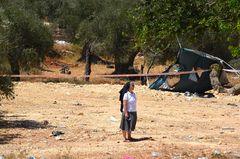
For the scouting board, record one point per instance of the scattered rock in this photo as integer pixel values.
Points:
(200, 137)
(55, 102)
(235, 155)
(216, 153)
(228, 129)
(232, 104)
(76, 103)
(176, 157)
(45, 122)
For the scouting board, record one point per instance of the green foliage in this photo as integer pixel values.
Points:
(110, 28)
(23, 41)
(27, 39)
(192, 20)
(6, 88)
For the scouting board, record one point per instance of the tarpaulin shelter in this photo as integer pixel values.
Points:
(188, 60)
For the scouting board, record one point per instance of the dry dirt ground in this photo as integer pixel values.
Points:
(170, 125)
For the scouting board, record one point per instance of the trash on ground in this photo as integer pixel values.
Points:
(155, 154)
(113, 119)
(60, 137)
(57, 133)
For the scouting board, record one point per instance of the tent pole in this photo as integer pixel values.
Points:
(238, 74)
(180, 45)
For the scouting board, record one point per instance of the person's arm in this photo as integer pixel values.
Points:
(125, 108)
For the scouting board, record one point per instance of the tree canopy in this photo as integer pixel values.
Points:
(117, 29)
(24, 40)
(197, 23)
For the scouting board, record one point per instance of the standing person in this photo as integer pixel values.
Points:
(129, 115)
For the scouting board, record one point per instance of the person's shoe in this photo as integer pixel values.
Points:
(126, 140)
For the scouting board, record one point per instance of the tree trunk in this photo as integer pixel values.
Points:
(87, 53)
(127, 67)
(15, 68)
(143, 78)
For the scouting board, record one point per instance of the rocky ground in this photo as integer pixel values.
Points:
(170, 125)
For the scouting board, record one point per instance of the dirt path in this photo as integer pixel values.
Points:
(180, 127)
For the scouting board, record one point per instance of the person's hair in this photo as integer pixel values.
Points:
(131, 83)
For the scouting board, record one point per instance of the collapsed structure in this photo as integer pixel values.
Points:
(191, 60)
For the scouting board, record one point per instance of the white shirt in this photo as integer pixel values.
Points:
(131, 101)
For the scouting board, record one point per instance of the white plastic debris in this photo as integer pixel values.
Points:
(61, 42)
(60, 137)
(113, 119)
(202, 158)
(155, 154)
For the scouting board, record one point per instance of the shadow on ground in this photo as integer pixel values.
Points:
(5, 138)
(142, 139)
(7, 123)
(27, 124)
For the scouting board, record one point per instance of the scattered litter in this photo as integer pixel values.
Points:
(55, 102)
(155, 154)
(57, 133)
(202, 157)
(113, 119)
(61, 42)
(177, 157)
(196, 94)
(76, 103)
(2, 157)
(188, 94)
(31, 157)
(60, 137)
(216, 153)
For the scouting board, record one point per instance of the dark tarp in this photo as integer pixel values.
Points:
(188, 60)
